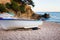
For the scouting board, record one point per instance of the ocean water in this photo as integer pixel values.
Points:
(54, 16)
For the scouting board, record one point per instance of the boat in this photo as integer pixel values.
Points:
(13, 23)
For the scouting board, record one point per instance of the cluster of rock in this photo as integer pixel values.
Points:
(38, 17)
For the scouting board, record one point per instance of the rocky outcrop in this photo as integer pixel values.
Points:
(35, 16)
(46, 15)
(21, 10)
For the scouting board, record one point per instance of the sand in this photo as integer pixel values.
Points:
(47, 31)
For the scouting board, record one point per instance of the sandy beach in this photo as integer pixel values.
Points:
(47, 31)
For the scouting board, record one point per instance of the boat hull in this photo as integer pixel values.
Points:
(13, 24)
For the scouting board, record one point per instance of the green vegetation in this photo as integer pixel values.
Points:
(29, 2)
(14, 5)
(22, 9)
(2, 8)
(8, 5)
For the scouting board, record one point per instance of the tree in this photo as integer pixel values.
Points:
(8, 5)
(15, 6)
(2, 8)
(22, 8)
(29, 2)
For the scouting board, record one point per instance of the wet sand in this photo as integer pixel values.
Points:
(47, 31)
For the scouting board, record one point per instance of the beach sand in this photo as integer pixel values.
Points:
(47, 31)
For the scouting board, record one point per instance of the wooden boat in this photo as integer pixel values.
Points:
(7, 22)
(13, 24)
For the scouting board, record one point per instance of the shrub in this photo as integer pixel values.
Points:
(22, 8)
(8, 5)
(15, 6)
(2, 8)
(30, 2)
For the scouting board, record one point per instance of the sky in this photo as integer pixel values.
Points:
(46, 6)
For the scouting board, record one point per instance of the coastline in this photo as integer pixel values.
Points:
(51, 22)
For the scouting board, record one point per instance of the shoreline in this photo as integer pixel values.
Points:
(52, 22)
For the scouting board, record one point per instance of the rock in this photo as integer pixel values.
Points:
(46, 15)
(36, 16)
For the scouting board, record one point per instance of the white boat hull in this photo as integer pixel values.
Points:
(13, 24)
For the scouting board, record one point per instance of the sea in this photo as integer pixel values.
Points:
(54, 16)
